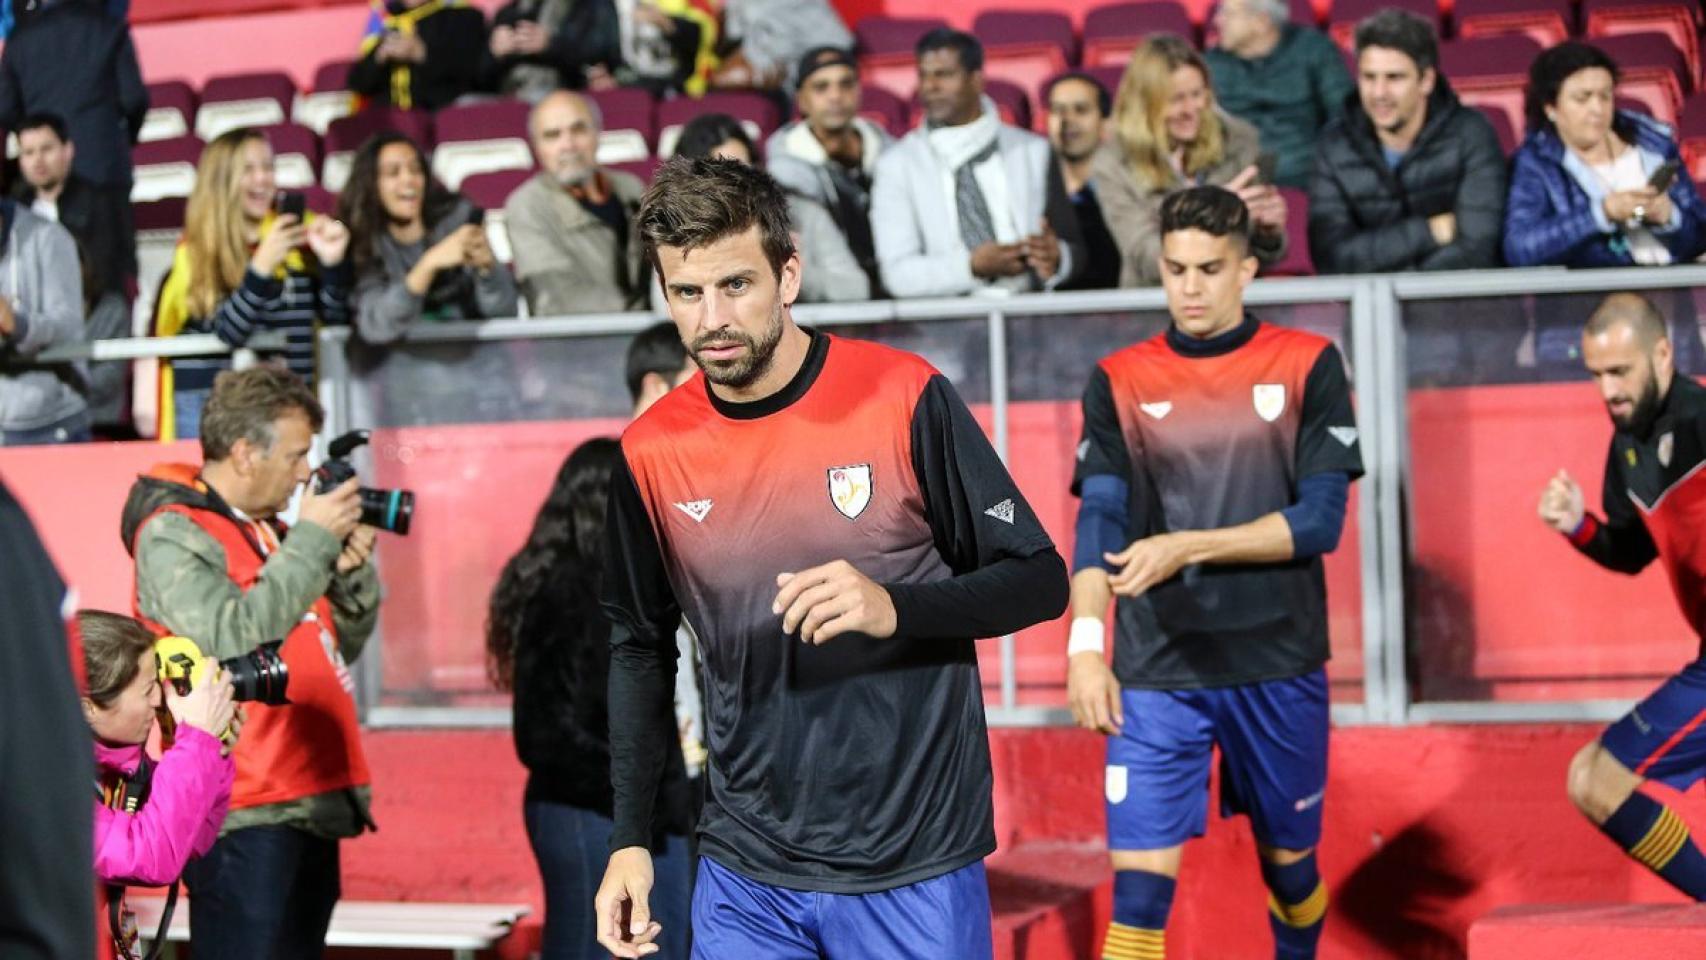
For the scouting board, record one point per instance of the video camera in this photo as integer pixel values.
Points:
(390, 510)
(260, 675)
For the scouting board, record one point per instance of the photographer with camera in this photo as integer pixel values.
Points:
(152, 815)
(214, 563)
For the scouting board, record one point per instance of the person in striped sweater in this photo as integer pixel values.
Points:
(242, 267)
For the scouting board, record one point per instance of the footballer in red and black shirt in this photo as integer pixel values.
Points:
(1214, 470)
(1655, 509)
(834, 525)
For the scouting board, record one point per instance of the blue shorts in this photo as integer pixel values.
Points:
(1664, 737)
(1273, 762)
(735, 918)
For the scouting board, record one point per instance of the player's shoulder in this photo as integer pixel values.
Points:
(1690, 397)
(1288, 340)
(878, 364)
(675, 412)
(1149, 350)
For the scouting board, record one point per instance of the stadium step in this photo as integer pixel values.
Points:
(1533, 931)
(1049, 899)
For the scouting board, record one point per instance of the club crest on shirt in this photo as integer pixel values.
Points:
(1667, 446)
(1269, 399)
(850, 489)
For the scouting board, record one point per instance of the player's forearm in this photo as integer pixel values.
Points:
(1616, 548)
(640, 690)
(1091, 593)
(1008, 595)
(1266, 539)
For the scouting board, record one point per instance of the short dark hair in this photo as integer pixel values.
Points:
(1403, 31)
(51, 121)
(656, 349)
(708, 131)
(696, 201)
(947, 38)
(1215, 211)
(112, 646)
(246, 404)
(1104, 100)
(1546, 76)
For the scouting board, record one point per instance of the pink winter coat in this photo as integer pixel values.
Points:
(187, 799)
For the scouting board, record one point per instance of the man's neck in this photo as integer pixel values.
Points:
(1402, 139)
(1076, 173)
(223, 481)
(51, 194)
(790, 356)
(844, 145)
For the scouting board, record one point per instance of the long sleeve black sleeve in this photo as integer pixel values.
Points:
(1620, 542)
(1007, 573)
(643, 613)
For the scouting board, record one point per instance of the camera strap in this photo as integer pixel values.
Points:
(127, 796)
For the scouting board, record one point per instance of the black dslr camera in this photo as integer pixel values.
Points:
(390, 510)
(260, 674)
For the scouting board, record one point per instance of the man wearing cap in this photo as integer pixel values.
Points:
(830, 154)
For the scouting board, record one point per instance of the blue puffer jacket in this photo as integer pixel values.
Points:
(1552, 219)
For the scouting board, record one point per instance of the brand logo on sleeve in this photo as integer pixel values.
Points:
(695, 509)
(850, 489)
(1083, 449)
(1270, 400)
(1157, 410)
(1002, 511)
(1345, 435)
(1667, 446)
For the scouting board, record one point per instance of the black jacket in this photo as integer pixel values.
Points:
(74, 60)
(561, 710)
(455, 39)
(97, 218)
(47, 762)
(589, 34)
(1365, 217)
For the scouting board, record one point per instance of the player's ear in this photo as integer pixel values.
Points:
(788, 281)
(1247, 268)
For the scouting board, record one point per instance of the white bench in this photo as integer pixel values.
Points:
(461, 928)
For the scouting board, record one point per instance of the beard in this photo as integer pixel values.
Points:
(1646, 409)
(745, 370)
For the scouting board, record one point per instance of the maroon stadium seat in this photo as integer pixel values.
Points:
(489, 191)
(1501, 122)
(1112, 32)
(171, 110)
(1654, 71)
(1549, 22)
(479, 138)
(630, 124)
(328, 99)
(1344, 15)
(884, 109)
(1691, 132)
(244, 100)
(1110, 76)
(1491, 72)
(321, 201)
(165, 214)
(756, 112)
(885, 46)
(165, 168)
(296, 155)
(1677, 19)
(1296, 262)
(1025, 48)
(346, 134)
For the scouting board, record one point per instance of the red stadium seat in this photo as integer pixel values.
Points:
(1344, 15)
(1296, 262)
(1691, 132)
(163, 215)
(1677, 19)
(329, 98)
(171, 110)
(1112, 32)
(244, 100)
(1501, 122)
(1491, 72)
(1549, 22)
(489, 191)
(1025, 47)
(296, 155)
(1654, 71)
(886, 56)
(884, 109)
(321, 201)
(164, 168)
(1110, 76)
(630, 124)
(756, 112)
(480, 138)
(346, 134)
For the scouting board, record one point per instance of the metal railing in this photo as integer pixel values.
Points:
(1374, 331)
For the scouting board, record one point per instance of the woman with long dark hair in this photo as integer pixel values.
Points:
(548, 641)
(419, 250)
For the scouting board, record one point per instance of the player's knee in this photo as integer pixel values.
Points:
(1593, 785)
(1281, 857)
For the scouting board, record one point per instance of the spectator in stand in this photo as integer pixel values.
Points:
(829, 155)
(420, 250)
(1581, 191)
(549, 642)
(51, 187)
(71, 59)
(768, 38)
(242, 267)
(420, 54)
(966, 202)
(668, 46)
(1408, 178)
(41, 306)
(1078, 109)
(1167, 135)
(828, 271)
(1287, 79)
(572, 225)
(538, 46)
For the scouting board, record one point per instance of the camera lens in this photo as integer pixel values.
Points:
(260, 675)
(389, 510)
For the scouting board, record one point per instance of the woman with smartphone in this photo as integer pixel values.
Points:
(420, 250)
(1592, 185)
(248, 261)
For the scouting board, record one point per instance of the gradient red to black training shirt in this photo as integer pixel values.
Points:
(1214, 434)
(1655, 500)
(860, 764)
